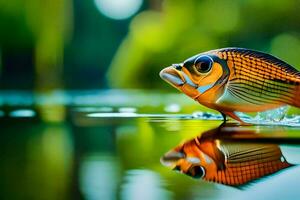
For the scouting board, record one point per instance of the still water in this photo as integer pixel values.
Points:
(105, 152)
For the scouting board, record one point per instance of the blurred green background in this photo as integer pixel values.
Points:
(61, 60)
(100, 44)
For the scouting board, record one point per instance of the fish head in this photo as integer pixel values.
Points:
(189, 159)
(196, 75)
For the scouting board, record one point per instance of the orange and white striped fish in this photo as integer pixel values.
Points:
(228, 163)
(236, 79)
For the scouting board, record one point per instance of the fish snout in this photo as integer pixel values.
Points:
(172, 75)
(177, 66)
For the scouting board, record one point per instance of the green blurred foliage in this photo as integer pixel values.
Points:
(184, 28)
(43, 26)
(69, 44)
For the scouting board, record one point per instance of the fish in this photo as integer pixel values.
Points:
(232, 79)
(225, 162)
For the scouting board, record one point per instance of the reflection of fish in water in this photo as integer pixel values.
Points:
(236, 79)
(224, 162)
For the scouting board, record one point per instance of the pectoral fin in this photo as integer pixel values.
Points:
(237, 118)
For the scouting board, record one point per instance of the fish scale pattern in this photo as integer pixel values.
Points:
(260, 78)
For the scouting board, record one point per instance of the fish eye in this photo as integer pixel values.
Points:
(203, 64)
(196, 171)
(176, 168)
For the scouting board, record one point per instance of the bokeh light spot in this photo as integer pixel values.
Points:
(22, 113)
(118, 9)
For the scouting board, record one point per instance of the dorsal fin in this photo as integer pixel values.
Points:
(249, 152)
(263, 56)
(248, 162)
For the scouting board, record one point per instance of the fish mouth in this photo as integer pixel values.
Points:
(172, 76)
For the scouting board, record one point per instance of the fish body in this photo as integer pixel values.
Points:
(236, 79)
(227, 163)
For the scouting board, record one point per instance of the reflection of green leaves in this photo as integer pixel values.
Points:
(37, 161)
(50, 155)
(143, 145)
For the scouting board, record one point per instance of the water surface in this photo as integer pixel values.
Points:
(93, 154)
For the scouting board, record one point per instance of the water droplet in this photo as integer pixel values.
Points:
(172, 108)
(22, 113)
(127, 110)
(100, 115)
(94, 109)
(275, 115)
